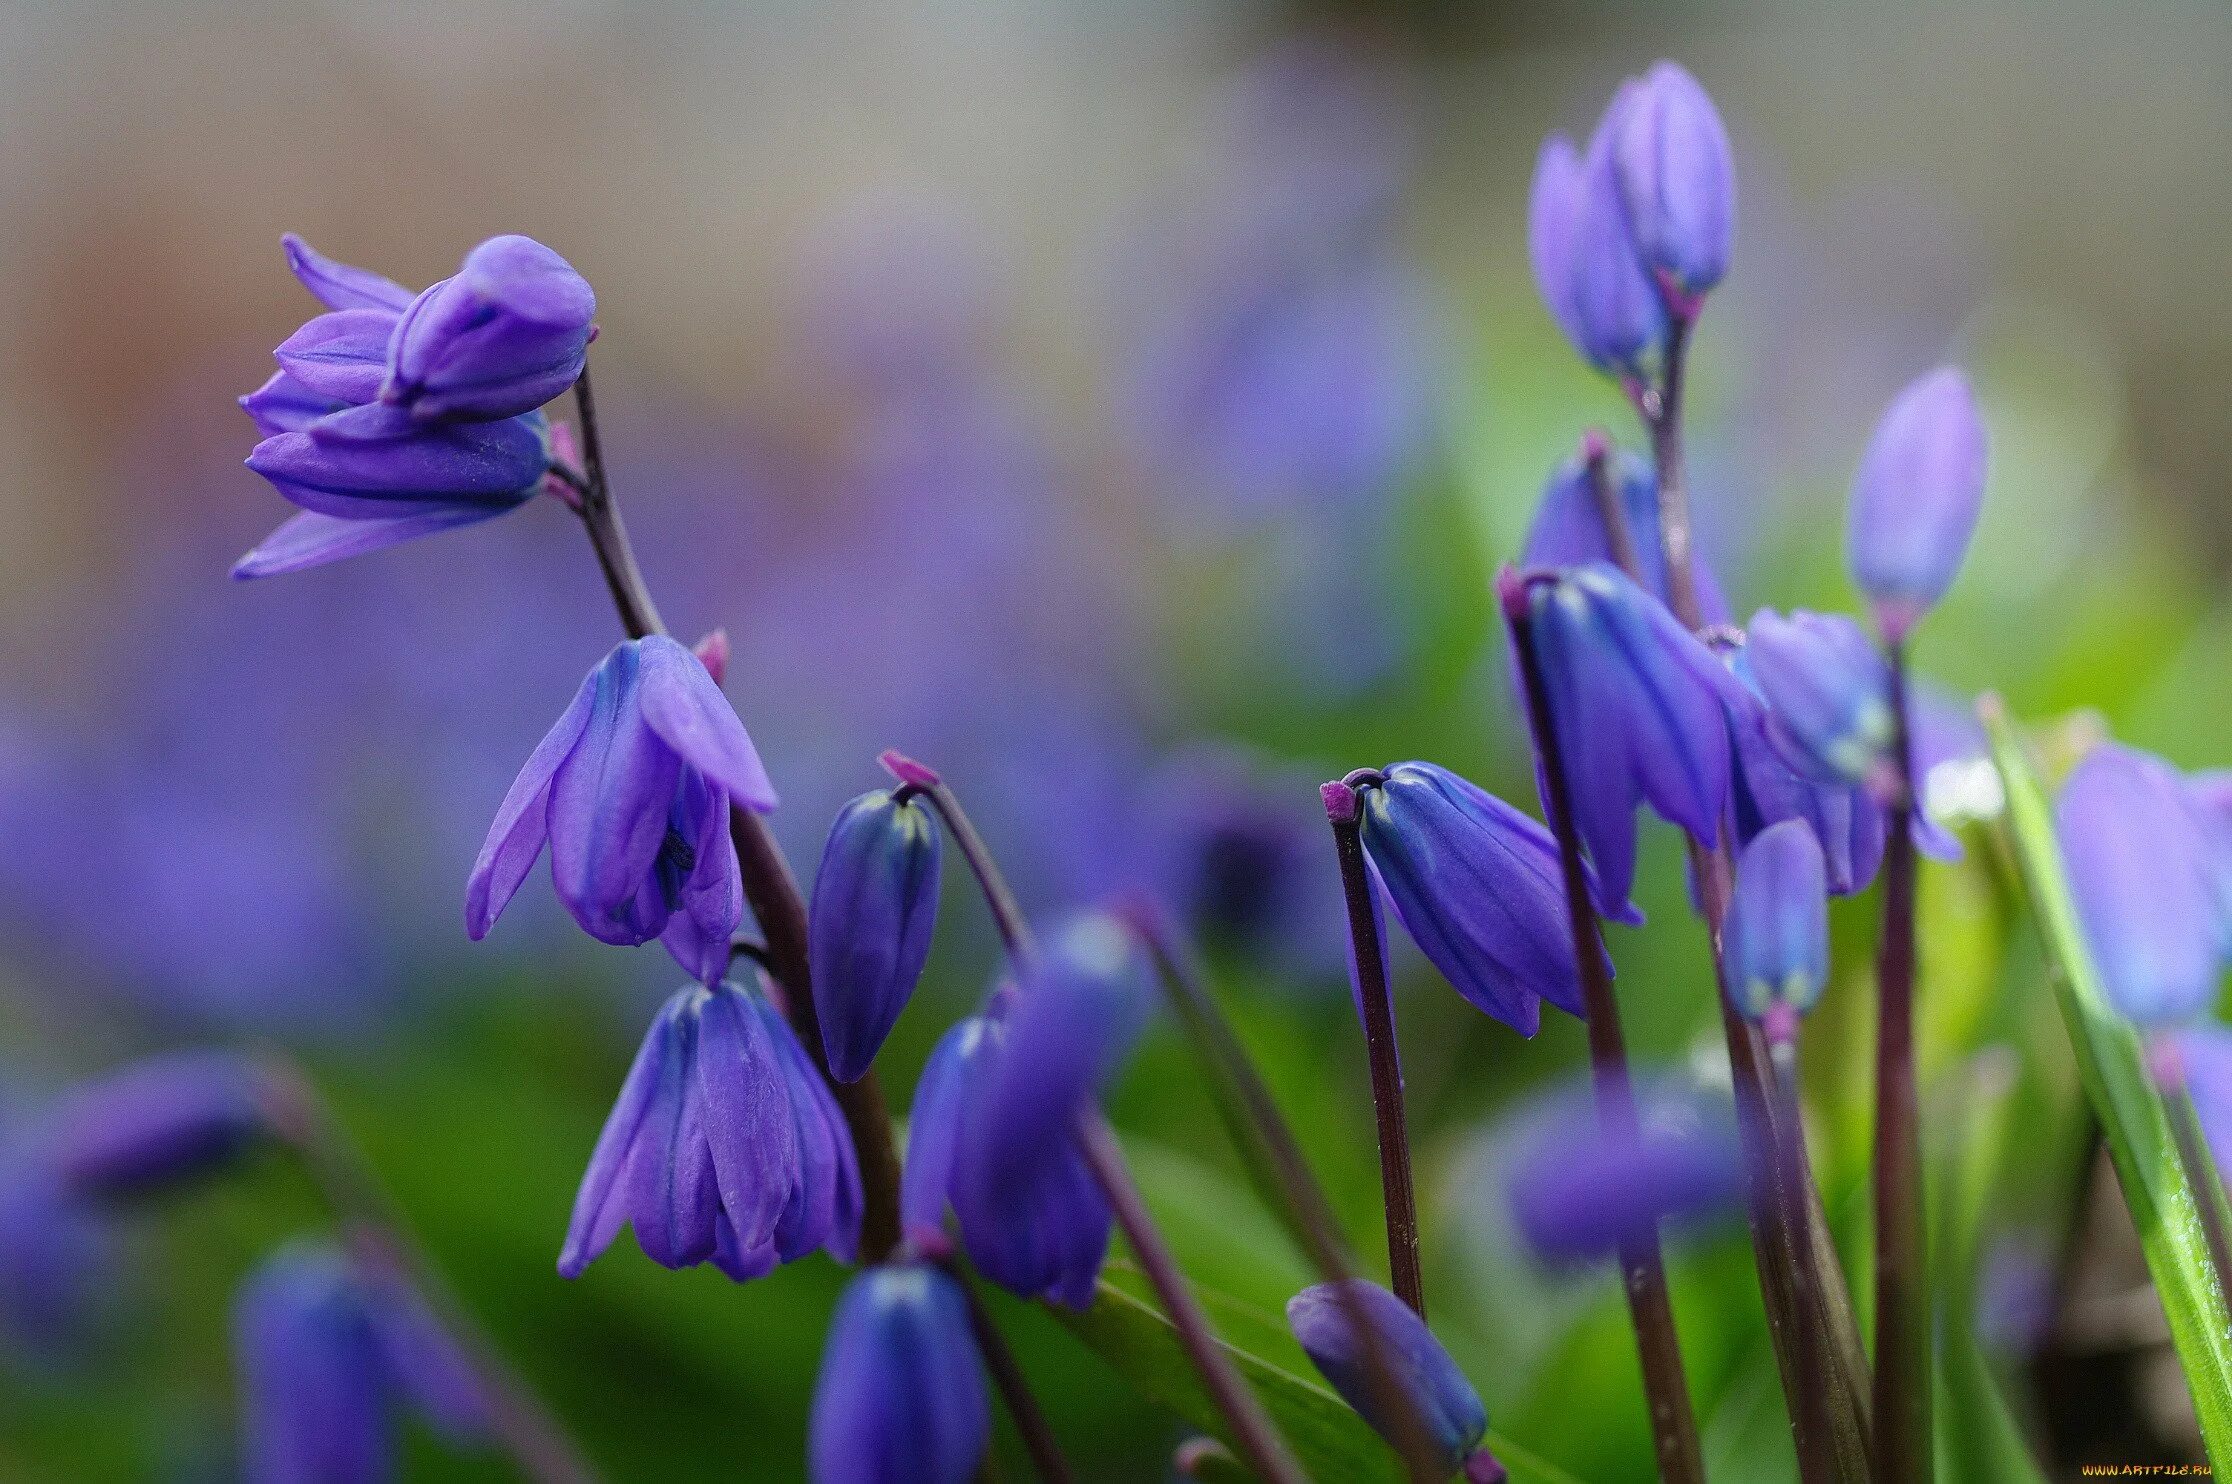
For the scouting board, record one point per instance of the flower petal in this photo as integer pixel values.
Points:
(681, 703)
(521, 825)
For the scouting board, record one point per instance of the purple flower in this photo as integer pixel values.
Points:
(1678, 180)
(875, 903)
(1845, 818)
(2204, 1058)
(325, 1352)
(1324, 1323)
(723, 1146)
(1827, 692)
(1587, 262)
(508, 333)
(901, 1395)
(1569, 531)
(1637, 703)
(1577, 1190)
(1478, 886)
(337, 285)
(55, 1262)
(158, 1122)
(2143, 869)
(1916, 497)
(1048, 1237)
(1778, 928)
(632, 790)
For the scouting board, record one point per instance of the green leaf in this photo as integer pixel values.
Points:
(1329, 1440)
(2133, 1120)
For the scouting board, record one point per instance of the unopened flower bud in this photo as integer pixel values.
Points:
(875, 903)
(1778, 925)
(1678, 178)
(1324, 1320)
(901, 1395)
(508, 333)
(1916, 498)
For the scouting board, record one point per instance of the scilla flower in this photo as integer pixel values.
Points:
(1576, 1190)
(503, 336)
(1478, 887)
(158, 1122)
(1778, 928)
(1678, 179)
(1569, 527)
(724, 1146)
(1827, 693)
(1916, 497)
(901, 1395)
(875, 902)
(1587, 262)
(1845, 818)
(631, 790)
(1324, 1320)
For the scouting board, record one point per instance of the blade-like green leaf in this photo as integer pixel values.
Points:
(2136, 1126)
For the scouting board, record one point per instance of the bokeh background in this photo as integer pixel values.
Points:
(1123, 408)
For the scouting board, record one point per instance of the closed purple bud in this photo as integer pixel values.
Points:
(1827, 693)
(1678, 179)
(1637, 703)
(1586, 261)
(631, 790)
(901, 1395)
(161, 1121)
(1478, 886)
(1916, 497)
(508, 333)
(724, 1146)
(875, 902)
(1324, 1321)
(1569, 530)
(1577, 1191)
(2142, 868)
(1778, 924)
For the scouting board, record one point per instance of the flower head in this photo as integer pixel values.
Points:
(1587, 262)
(1569, 528)
(1778, 927)
(724, 1145)
(631, 790)
(1678, 179)
(1827, 691)
(901, 1395)
(159, 1121)
(1916, 498)
(1324, 1319)
(1845, 818)
(875, 903)
(505, 335)
(1578, 1189)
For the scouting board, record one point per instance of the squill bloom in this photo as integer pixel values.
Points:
(503, 336)
(875, 903)
(1845, 818)
(1569, 528)
(1916, 498)
(1778, 928)
(158, 1122)
(1827, 691)
(2143, 868)
(326, 1353)
(2203, 1054)
(1046, 1240)
(631, 790)
(901, 1395)
(1577, 1190)
(1477, 885)
(1587, 261)
(1678, 179)
(1323, 1319)
(724, 1146)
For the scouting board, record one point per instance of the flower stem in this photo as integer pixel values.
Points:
(1007, 914)
(1642, 1268)
(1663, 416)
(1397, 1193)
(373, 1230)
(769, 887)
(1809, 1401)
(1618, 535)
(1007, 1376)
(1253, 1435)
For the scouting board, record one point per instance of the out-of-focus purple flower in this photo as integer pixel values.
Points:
(723, 1146)
(325, 1352)
(1827, 692)
(1446, 1403)
(1778, 928)
(161, 1121)
(875, 903)
(1916, 498)
(1478, 886)
(2143, 870)
(1568, 529)
(55, 1261)
(2211, 792)
(901, 1395)
(1587, 262)
(1637, 703)
(1048, 1237)
(631, 789)
(2015, 1295)
(505, 335)
(1577, 1190)
(2203, 1053)
(1677, 177)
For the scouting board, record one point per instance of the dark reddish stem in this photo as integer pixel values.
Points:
(1007, 914)
(1007, 1377)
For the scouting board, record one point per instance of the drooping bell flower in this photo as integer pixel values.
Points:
(631, 790)
(901, 1395)
(1478, 886)
(875, 903)
(2143, 870)
(1678, 179)
(2203, 1057)
(1845, 818)
(1778, 928)
(1916, 497)
(1637, 705)
(724, 1146)
(56, 1261)
(1827, 691)
(1046, 1239)
(1324, 1319)
(506, 334)
(1569, 527)
(161, 1121)
(1587, 262)
(327, 1354)
(1576, 1190)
